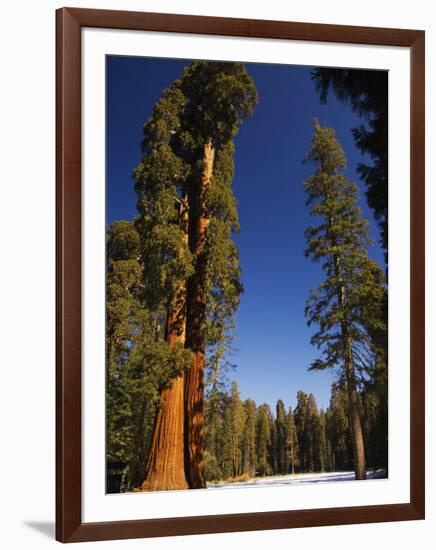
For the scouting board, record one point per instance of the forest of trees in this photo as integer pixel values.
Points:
(244, 440)
(174, 286)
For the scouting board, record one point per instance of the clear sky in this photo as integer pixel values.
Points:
(272, 349)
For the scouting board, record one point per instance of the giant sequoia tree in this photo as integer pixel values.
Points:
(346, 306)
(187, 213)
(161, 181)
(138, 358)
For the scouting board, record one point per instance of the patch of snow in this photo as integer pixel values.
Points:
(297, 479)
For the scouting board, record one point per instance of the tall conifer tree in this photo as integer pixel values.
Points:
(249, 438)
(348, 303)
(338, 427)
(263, 439)
(300, 423)
(218, 97)
(292, 442)
(282, 438)
(312, 436)
(191, 272)
(161, 186)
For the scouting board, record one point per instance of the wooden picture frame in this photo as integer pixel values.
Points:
(69, 526)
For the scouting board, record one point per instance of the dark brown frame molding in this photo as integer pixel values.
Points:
(69, 526)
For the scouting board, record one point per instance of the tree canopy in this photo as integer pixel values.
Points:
(367, 93)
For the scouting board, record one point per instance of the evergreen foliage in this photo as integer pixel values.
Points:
(367, 93)
(250, 441)
(282, 464)
(185, 273)
(346, 307)
(174, 285)
(139, 361)
(292, 442)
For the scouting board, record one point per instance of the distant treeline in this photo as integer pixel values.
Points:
(246, 440)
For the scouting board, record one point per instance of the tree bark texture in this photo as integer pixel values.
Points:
(353, 398)
(356, 423)
(165, 465)
(194, 380)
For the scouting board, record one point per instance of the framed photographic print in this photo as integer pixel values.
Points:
(240, 275)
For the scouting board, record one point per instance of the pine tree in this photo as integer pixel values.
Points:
(227, 438)
(375, 395)
(323, 446)
(339, 430)
(375, 418)
(312, 436)
(272, 450)
(282, 438)
(249, 439)
(367, 94)
(292, 442)
(329, 454)
(348, 302)
(300, 422)
(216, 385)
(237, 419)
(263, 440)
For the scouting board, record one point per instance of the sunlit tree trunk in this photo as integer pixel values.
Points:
(353, 404)
(194, 381)
(165, 465)
(353, 398)
(356, 423)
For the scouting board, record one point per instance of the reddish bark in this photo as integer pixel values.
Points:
(165, 465)
(194, 380)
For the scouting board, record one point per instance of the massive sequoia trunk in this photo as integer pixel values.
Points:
(194, 381)
(165, 465)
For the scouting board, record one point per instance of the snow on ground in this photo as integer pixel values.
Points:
(296, 479)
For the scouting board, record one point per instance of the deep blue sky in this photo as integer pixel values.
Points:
(272, 338)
